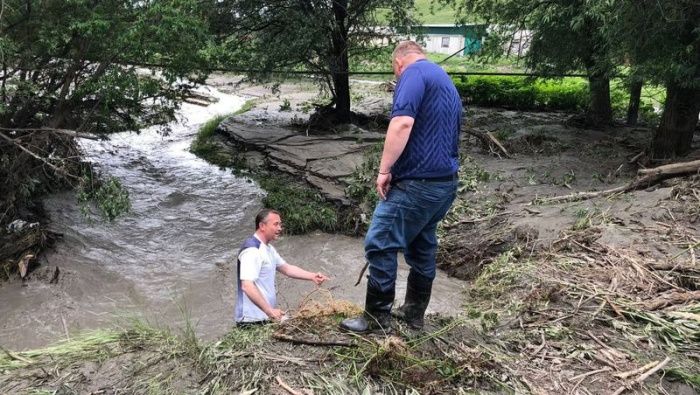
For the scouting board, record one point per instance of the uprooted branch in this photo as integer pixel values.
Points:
(488, 140)
(38, 157)
(67, 132)
(645, 178)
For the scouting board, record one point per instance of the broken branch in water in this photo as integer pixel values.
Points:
(67, 132)
(362, 272)
(37, 157)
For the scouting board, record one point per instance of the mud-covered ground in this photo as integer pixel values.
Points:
(581, 297)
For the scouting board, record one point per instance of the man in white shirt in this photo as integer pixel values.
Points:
(257, 263)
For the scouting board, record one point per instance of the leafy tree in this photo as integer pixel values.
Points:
(75, 64)
(566, 37)
(82, 65)
(662, 40)
(316, 35)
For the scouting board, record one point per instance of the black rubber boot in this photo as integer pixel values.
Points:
(377, 315)
(418, 290)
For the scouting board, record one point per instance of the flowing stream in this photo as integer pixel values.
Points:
(171, 260)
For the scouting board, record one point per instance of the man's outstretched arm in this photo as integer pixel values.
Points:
(301, 274)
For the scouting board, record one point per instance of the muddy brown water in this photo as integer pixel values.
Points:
(172, 258)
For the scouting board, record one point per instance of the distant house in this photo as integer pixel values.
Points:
(450, 38)
(519, 43)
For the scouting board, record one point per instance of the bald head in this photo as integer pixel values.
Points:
(405, 54)
(407, 47)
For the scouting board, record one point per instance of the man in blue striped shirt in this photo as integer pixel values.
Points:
(417, 183)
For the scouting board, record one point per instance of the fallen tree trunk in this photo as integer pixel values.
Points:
(645, 178)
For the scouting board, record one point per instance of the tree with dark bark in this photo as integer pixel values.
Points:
(314, 35)
(78, 65)
(565, 37)
(662, 39)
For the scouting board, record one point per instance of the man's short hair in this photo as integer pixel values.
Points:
(262, 216)
(406, 47)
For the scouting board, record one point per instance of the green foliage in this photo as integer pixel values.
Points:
(74, 64)
(470, 175)
(203, 146)
(568, 94)
(692, 379)
(78, 65)
(315, 35)
(498, 276)
(89, 346)
(583, 219)
(660, 39)
(565, 94)
(110, 197)
(286, 105)
(315, 103)
(302, 209)
(588, 217)
(430, 11)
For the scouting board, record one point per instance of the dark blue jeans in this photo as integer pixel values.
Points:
(407, 221)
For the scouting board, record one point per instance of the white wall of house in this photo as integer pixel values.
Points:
(442, 43)
(519, 43)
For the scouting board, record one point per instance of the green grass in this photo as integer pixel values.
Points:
(542, 94)
(302, 209)
(430, 12)
(87, 347)
(203, 146)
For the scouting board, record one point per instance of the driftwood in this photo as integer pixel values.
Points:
(295, 340)
(23, 263)
(498, 143)
(644, 376)
(287, 387)
(13, 245)
(487, 139)
(671, 299)
(645, 178)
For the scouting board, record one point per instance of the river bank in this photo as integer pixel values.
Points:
(538, 270)
(591, 296)
(172, 257)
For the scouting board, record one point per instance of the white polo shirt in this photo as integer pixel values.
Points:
(257, 262)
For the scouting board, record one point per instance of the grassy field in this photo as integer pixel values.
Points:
(429, 12)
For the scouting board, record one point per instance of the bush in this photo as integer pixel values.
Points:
(565, 94)
(522, 93)
(109, 195)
